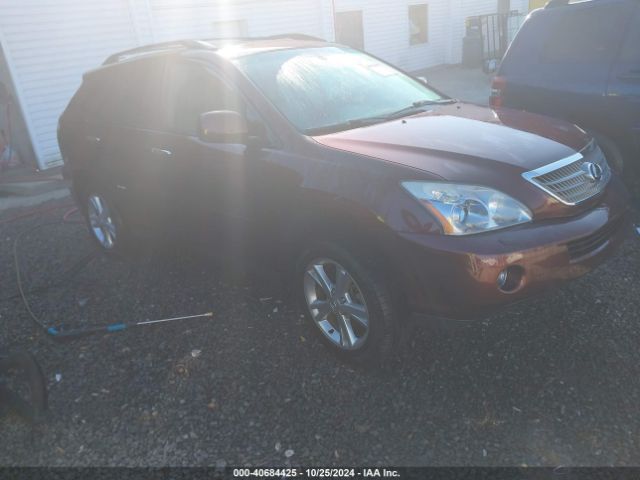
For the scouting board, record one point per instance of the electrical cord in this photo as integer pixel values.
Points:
(70, 213)
(36, 212)
(67, 275)
(60, 333)
(16, 264)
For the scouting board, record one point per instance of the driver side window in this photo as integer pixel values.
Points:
(192, 90)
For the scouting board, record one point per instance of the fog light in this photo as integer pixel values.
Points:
(510, 278)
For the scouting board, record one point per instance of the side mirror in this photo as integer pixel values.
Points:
(423, 80)
(223, 126)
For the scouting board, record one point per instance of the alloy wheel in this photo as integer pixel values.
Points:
(336, 304)
(102, 221)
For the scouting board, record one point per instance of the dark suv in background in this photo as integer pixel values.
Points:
(580, 61)
(377, 196)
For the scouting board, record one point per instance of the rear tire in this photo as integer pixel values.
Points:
(354, 314)
(106, 225)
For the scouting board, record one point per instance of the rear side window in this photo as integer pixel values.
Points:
(126, 95)
(79, 101)
(96, 96)
(583, 35)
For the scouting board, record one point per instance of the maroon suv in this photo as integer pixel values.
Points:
(380, 196)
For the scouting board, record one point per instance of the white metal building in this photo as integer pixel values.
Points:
(47, 44)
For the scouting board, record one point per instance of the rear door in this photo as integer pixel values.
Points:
(135, 173)
(79, 154)
(623, 95)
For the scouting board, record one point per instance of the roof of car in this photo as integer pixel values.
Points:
(227, 47)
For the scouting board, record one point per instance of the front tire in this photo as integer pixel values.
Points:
(348, 304)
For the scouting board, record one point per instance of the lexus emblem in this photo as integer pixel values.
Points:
(593, 171)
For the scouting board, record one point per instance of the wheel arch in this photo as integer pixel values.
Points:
(361, 232)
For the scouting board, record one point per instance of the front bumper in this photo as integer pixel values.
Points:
(456, 277)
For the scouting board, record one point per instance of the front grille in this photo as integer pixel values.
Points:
(573, 179)
(590, 244)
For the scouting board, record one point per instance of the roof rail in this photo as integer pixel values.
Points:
(292, 36)
(296, 36)
(562, 3)
(189, 43)
(155, 47)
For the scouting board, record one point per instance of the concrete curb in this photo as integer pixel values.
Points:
(17, 201)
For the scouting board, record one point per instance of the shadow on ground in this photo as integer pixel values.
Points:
(551, 382)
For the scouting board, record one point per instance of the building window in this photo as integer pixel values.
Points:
(418, 24)
(349, 30)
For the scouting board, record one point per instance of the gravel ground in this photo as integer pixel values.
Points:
(555, 381)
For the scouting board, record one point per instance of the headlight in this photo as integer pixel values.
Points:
(468, 209)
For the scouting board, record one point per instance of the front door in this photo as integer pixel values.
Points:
(212, 181)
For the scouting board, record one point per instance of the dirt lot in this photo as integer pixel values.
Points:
(554, 381)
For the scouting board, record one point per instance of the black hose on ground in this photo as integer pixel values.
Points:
(25, 365)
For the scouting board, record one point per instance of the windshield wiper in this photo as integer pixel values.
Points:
(364, 122)
(416, 106)
(338, 127)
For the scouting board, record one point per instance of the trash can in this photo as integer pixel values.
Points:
(472, 52)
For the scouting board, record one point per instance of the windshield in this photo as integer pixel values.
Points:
(320, 88)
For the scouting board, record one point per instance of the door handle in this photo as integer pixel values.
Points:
(161, 151)
(92, 139)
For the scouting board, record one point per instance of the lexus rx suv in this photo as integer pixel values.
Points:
(379, 197)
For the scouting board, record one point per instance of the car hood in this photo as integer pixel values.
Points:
(465, 142)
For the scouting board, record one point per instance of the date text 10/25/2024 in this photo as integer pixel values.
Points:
(315, 473)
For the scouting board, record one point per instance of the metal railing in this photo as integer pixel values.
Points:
(496, 30)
